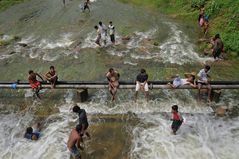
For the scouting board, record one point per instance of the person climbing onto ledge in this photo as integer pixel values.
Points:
(176, 118)
(33, 135)
(189, 80)
(82, 120)
(204, 80)
(98, 38)
(73, 143)
(35, 84)
(218, 47)
(142, 84)
(113, 78)
(51, 76)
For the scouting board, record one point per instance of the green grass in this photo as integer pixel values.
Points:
(4, 4)
(223, 16)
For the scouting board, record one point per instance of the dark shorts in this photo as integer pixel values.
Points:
(112, 38)
(75, 152)
(86, 7)
(176, 124)
(217, 52)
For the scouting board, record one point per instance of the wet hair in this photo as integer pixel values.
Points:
(52, 67)
(78, 128)
(217, 36)
(207, 67)
(111, 69)
(96, 27)
(76, 109)
(100, 23)
(29, 130)
(30, 71)
(142, 70)
(175, 108)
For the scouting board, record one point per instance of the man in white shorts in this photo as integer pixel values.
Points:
(204, 80)
(142, 84)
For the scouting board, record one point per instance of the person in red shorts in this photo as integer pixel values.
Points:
(35, 84)
(176, 118)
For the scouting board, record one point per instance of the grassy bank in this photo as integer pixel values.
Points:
(223, 16)
(4, 4)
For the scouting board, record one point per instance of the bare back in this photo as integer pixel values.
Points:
(73, 138)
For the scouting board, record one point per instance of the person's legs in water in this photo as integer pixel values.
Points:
(146, 90)
(209, 90)
(64, 3)
(75, 153)
(199, 91)
(114, 91)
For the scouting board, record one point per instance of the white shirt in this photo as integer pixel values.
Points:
(103, 29)
(112, 29)
(202, 75)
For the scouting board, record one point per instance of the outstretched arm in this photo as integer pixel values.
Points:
(40, 76)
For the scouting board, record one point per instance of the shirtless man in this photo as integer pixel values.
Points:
(113, 78)
(51, 76)
(73, 143)
(36, 85)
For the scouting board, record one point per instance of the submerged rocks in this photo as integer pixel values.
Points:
(22, 44)
(125, 38)
(221, 111)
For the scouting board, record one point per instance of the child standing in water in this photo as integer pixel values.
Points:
(176, 118)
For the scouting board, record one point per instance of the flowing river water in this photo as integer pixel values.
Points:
(64, 37)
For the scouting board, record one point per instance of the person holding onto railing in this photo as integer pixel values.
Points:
(142, 84)
(35, 84)
(51, 76)
(204, 80)
(113, 78)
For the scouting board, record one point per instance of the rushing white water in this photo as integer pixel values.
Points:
(202, 136)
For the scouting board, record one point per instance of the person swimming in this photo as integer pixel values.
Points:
(33, 135)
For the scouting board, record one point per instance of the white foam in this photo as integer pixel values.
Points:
(202, 136)
(62, 42)
(178, 49)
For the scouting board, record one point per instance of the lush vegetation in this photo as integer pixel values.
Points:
(7, 3)
(223, 15)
